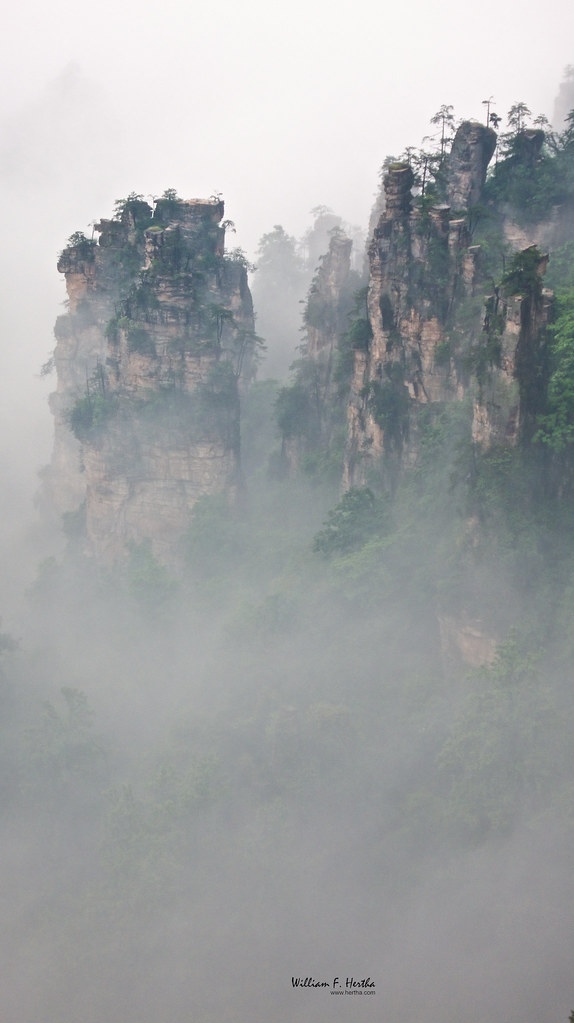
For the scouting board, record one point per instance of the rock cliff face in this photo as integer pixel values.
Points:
(149, 358)
(471, 153)
(430, 342)
(326, 320)
(420, 262)
(437, 336)
(507, 397)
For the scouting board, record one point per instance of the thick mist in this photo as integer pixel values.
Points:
(240, 777)
(217, 782)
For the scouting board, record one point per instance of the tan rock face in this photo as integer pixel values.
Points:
(429, 344)
(417, 265)
(149, 357)
(471, 152)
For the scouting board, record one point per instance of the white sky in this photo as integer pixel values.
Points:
(278, 108)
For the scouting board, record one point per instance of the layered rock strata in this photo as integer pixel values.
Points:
(420, 261)
(430, 343)
(149, 357)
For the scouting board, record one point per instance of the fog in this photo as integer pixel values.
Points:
(279, 111)
(246, 797)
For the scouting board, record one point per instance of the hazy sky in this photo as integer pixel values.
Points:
(278, 108)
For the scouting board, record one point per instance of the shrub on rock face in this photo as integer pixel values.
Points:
(388, 403)
(523, 276)
(84, 247)
(357, 518)
(90, 412)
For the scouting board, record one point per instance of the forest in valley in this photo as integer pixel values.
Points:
(272, 760)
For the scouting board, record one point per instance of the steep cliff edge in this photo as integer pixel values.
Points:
(450, 319)
(433, 340)
(311, 411)
(149, 358)
(511, 369)
(472, 150)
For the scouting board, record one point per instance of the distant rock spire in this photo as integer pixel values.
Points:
(564, 101)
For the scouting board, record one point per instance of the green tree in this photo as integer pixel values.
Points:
(517, 117)
(295, 411)
(84, 247)
(388, 402)
(556, 426)
(487, 103)
(358, 517)
(279, 287)
(445, 118)
(567, 137)
(136, 206)
(278, 260)
(94, 409)
(523, 276)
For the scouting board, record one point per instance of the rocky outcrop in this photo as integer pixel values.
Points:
(420, 261)
(430, 343)
(317, 386)
(435, 340)
(327, 309)
(390, 257)
(149, 358)
(564, 101)
(508, 396)
(471, 153)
